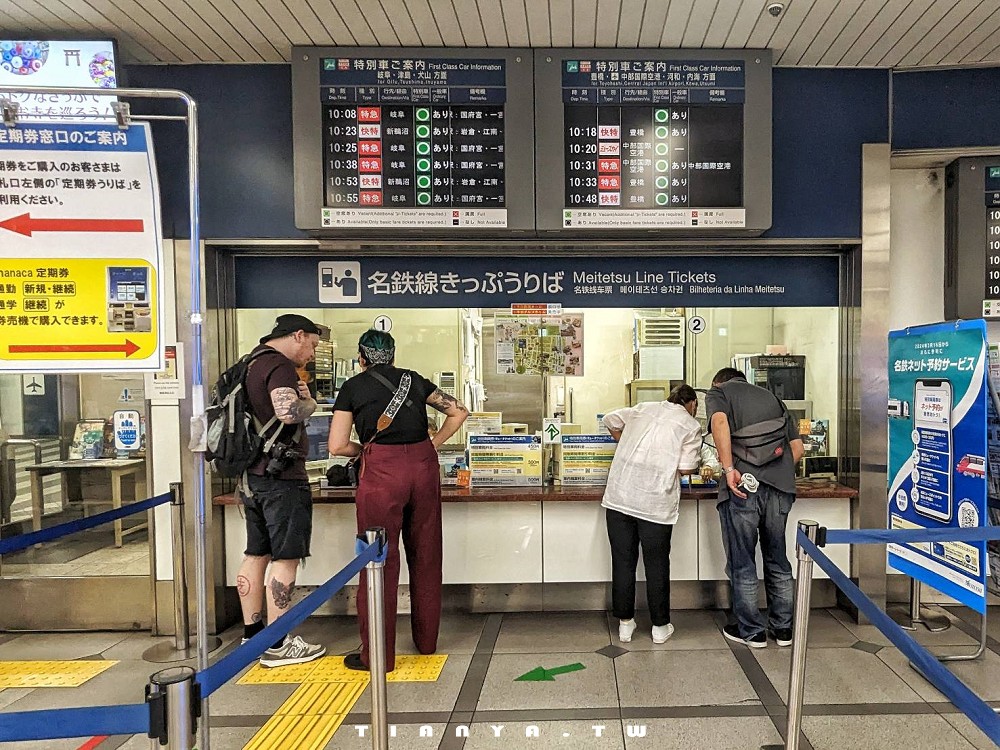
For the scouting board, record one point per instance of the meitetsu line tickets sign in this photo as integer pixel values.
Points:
(80, 249)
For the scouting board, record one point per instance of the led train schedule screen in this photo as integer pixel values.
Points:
(411, 142)
(653, 143)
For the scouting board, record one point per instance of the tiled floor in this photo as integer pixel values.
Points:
(695, 691)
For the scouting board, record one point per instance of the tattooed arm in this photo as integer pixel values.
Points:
(455, 413)
(290, 407)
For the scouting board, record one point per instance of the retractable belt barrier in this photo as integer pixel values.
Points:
(134, 718)
(22, 541)
(981, 714)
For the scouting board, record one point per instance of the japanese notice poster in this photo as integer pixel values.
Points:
(80, 281)
(585, 460)
(539, 345)
(505, 460)
(937, 453)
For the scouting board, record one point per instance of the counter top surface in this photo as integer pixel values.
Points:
(807, 489)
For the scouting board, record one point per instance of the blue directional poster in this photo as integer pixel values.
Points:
(937, 453)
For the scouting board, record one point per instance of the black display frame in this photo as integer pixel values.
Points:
(519, 173)
(550, 184)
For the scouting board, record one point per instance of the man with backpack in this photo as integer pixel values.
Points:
(277, 500)
(759, 445)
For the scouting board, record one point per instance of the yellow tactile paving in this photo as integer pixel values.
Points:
(417, 668)
(332, 669)
(299, 732)
(319, 699)
(50, 674)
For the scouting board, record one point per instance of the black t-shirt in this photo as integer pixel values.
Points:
(267, 372)
(745, 404)
(366, 398)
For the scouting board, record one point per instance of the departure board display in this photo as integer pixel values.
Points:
(992, 232)
(654, 140)
(413, 142)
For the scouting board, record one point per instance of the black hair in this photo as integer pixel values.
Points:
(682, 394)
(726, 374)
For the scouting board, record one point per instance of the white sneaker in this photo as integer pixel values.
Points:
(625, 630)
(293, 651)
(662, 632)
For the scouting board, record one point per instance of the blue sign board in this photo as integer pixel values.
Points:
(937, 453)
(444, 282)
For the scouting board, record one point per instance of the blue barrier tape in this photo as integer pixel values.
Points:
(906, 536)
(228, 667)
(64, 723)
(360, 545)
(47, 535)
(964, 699)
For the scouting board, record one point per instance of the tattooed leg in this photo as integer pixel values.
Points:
(280, 587)
(250, 587)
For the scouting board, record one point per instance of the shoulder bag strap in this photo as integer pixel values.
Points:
(388, 384)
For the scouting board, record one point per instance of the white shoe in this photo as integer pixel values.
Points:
(293, 651)
(662, 632)
(625, 630)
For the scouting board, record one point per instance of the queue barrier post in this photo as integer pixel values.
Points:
(376, 640)
(174, 708)
(181, 649)
(797, 670)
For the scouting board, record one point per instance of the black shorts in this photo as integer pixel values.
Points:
(279, 518)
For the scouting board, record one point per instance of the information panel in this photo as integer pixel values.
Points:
(992, 233)
(654, 140)
(413, 140)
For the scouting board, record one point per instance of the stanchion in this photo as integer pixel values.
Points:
(797, 671)
(181, 649)
(173, 708)
(376, 642)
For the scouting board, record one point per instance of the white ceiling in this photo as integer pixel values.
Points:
(881, 33)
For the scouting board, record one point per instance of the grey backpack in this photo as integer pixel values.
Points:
(761, 443)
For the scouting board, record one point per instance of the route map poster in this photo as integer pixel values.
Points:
(539, 345)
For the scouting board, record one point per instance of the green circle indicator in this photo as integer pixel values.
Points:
(662, 182)
(423, 131)
(424, 199)
(662, 131)
(423, 148)
(662, 165)
(423, 114)
(662, 149)
(662, 199)
(423, 165)
(661, 115)
(423, 182)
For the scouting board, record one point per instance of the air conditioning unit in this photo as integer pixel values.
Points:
(447, 382)
(660, 331)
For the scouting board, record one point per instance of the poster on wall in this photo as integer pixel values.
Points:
(993, 467)
(539, 345)
(938, 451)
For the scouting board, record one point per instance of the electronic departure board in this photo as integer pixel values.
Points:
(992, 175)
(654, 140)
(413, 140)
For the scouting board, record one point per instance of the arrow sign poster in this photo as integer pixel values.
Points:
(80, 249)
(541, 674)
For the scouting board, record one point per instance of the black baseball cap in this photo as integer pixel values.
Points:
(290, 323)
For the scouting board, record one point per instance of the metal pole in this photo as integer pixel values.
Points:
(376, 644)
(181, 620)
(175, 687)
(797, 671)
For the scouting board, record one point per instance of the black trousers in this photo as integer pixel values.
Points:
(626, 533)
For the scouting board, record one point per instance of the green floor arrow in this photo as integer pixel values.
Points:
(541, 674)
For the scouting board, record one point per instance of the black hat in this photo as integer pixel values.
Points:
(290, 323)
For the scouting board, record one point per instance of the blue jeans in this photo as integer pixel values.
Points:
(764, 512)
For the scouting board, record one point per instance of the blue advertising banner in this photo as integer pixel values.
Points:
(461, 281)
(937, 453)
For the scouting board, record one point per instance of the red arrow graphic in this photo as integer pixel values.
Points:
(128, 348)
(25, 225)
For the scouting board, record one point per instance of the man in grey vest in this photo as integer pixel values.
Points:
(759, 446)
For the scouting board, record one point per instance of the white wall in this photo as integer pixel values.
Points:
(916, 247)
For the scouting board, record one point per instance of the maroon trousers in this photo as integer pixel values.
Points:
(400, 490)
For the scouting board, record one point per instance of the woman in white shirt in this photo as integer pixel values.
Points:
(657, 443)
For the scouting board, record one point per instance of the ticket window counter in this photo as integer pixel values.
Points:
(58, 464)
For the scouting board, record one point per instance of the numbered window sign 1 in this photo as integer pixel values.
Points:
(382, 323)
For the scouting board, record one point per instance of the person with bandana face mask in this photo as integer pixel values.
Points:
(398, 482)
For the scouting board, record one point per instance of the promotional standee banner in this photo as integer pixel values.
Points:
(937, 453)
